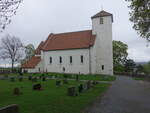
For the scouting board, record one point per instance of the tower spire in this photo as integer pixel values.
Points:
(101, 7)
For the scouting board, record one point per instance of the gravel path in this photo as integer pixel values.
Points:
(124, 96)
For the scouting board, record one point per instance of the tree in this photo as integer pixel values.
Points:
(140, 16)
(119, 68)
(140, 68)
(146, 68)
(7, 10)
(29, 52)
(129, 65)
(119, 53)
(11, 48)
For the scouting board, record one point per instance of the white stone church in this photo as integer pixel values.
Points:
(82, 52)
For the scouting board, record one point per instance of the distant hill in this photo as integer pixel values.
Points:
(142, 63)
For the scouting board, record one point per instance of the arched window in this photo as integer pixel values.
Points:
(50, 60)
(101, 20)
(81, 58)
(70, 59)
(102, 67)
(60, 59)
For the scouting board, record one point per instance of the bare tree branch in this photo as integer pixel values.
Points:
(11, 48)
(7, 10)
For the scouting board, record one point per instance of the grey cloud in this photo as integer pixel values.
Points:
(36, 19)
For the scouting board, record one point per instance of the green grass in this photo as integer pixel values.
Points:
(98, 77)
(82, 77)
(51, 99)
(73, 76)
(138, 78)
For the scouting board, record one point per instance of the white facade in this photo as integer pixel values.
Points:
(102, 52)
(37, 69)
(97, 59)
(75, 67)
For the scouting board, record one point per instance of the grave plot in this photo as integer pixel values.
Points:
(51, 96)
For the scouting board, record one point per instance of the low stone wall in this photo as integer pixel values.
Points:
(10, 109)
(131, 74)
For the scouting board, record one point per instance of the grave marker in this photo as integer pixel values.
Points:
(10, 109)
(72, 91)
(80, 88)
(37, 87)
(12, 79)
(17, 91)
(58, 83)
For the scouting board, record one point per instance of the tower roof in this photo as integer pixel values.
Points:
(102, 14)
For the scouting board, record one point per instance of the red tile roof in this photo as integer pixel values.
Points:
(72, 40)
(32, 63)
(38, 50)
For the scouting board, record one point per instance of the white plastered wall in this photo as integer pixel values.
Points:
(75, 67)
(102, 50)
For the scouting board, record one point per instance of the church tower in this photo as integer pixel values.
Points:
(102, 57)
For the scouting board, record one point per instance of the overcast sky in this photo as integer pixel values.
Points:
(36, 19)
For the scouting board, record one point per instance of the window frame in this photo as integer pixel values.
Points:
(82, 59)
(101, 20)
(60, 60)
(70, 59)
(103, 67)
(50, 60)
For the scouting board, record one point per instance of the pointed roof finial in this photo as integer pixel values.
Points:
(101, 7)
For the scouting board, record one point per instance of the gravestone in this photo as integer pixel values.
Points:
(65, 81)
(20, 73)
(10, 109)
(20, 78)
(34, 79)
(17, 91)
(49, 77)
(12, 79)
(72, 76)
(56, 76)
(43, 78)
(37, 87)
(77, 77)
(5, 76)
(2, 78)
(80, 88)
(53, 77)
(72, 91)
(94, 82)
(85, 86)
(30, 77)
(65, 76)
(40, 77)
(58, 83)
(89, 84)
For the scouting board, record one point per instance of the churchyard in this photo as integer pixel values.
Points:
(51, 93)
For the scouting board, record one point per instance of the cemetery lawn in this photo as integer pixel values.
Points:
(51, 99)
(81, 77)
(70, 76)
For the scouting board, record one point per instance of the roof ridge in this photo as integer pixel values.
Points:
(69, 40)
(32, 62)
(70, 32)
(47, 40)
(102, 13)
